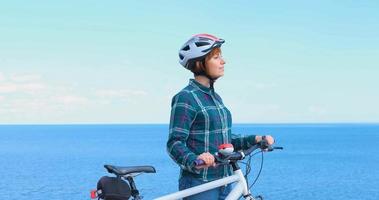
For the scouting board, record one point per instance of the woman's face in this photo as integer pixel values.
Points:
(215, 65)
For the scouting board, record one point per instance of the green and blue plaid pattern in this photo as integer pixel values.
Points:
(199, 123)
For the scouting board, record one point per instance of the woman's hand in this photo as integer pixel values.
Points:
(208, 158)
(270, 140)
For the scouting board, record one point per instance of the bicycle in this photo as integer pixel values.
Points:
(116, 188)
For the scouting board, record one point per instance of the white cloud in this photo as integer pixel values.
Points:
(21, 83)
(25, 77)
(29, 97)
(2, 77)
(8, 87)
(25, 105)
(70, 99)
(32, 87)
(42, 109)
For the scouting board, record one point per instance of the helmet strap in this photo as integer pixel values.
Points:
(204, 73)
(211, 82)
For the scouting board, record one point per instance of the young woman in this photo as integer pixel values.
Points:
(200, 122)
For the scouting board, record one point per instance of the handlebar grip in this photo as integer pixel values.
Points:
(273, 148)
(199, 162)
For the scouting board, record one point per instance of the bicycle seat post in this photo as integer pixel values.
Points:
(135, 192)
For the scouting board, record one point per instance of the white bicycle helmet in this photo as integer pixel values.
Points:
(197, 47)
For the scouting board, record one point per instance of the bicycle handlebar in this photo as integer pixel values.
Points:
(236, 156)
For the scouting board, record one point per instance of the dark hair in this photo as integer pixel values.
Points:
(198, 67)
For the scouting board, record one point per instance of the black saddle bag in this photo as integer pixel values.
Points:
(112, 188)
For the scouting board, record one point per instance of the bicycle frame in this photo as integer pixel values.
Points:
(240, 189)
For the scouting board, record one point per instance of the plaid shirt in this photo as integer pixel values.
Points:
(200, 123)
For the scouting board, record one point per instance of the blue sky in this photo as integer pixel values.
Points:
(116, 61)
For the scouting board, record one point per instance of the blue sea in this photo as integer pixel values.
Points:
(319, 161)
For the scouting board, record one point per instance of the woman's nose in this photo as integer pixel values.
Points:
(223, 61)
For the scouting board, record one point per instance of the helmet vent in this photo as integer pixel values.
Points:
(200, 44)
(181, 56)
(186, 48)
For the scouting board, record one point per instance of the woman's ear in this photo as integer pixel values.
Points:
(200, 65)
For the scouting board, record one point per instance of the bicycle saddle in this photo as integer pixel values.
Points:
(121, 171)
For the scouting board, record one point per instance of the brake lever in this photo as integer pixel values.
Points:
(226, 159)
(221, 159)
(263, 144)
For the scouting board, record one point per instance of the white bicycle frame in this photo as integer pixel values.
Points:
(240, 188)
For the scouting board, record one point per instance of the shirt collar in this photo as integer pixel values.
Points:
(200, 86)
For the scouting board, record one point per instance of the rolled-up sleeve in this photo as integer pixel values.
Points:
(183, 114)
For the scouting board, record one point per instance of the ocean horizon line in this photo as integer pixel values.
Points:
(166, 124)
